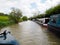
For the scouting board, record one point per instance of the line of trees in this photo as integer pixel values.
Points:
(2, 14)
(15, 16)
(52, 11)
(48, 13)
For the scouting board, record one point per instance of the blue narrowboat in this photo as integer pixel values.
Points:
(54, 23)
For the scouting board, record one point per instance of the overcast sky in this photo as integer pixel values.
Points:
(28, 7)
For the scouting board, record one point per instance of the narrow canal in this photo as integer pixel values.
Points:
(30, 33)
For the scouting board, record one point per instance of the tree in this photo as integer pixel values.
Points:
(2, 14)
(41, 16)
(24, 18)
(52, 11)
(15, 15)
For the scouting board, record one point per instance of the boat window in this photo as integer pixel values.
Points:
(53, 20)
(46, 21)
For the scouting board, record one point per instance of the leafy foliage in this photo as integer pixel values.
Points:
(15, 15)
(52, 11)
(38, 16)
(24, 18)
(2, 14)
(48, 13)
(4, 21)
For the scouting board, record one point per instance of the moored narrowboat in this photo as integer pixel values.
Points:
(54, 24)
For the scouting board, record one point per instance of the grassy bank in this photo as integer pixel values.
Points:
(4, 21)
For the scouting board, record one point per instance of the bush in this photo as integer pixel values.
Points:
(21, 20)
(24, 18)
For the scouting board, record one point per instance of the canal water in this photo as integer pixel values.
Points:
(31, 33)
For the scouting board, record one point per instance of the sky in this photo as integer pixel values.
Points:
(28, 7)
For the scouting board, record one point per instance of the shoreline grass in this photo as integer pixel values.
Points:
(4, 21)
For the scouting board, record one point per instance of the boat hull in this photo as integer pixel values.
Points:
(54, 29)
